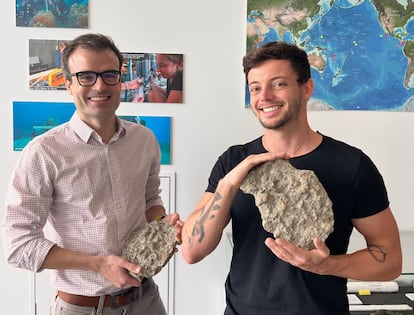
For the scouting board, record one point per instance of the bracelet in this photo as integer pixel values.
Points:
(160, 217)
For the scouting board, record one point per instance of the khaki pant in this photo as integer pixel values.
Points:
(149, 304)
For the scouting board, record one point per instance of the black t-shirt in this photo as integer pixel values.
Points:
(261, 284)
(176, 83)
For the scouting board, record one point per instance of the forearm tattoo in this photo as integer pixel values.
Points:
(377, 253)
(205, 214)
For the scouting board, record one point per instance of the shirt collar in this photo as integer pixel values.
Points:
(85, 132)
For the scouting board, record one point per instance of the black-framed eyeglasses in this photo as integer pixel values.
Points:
(89, 78)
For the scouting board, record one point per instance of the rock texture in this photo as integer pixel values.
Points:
(293, 203)
(150, 246)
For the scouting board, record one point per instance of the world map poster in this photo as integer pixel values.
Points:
(361, 52)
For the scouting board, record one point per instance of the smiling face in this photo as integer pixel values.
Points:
(96, 103)
(276, 97)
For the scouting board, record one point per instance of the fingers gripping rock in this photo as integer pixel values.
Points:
(151, 247)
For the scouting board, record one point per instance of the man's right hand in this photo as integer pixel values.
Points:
(115, 269)
(239, 172)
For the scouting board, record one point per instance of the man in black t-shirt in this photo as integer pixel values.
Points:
(271, 276)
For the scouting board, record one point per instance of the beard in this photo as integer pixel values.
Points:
(276, 124)
(290, 115)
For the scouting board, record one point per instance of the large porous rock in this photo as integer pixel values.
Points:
(150, 247)
(293, 203)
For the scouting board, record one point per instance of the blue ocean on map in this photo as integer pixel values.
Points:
(365, 67)
(410, 27)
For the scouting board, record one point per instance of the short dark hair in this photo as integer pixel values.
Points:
(279, 51)
(95, 42)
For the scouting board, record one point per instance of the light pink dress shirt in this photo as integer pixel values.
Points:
(90, 194)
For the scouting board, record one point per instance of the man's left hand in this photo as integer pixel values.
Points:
(310, 260)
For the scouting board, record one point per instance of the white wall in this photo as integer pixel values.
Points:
(211, 35)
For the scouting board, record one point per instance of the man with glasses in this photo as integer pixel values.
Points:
(94, 179)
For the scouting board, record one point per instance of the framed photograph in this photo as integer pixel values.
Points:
(31, 119)
(161, 127)
(45, 72)
(152, 77)
(52, 13)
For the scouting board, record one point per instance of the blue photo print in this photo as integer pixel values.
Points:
(161, 127)
(31, 119)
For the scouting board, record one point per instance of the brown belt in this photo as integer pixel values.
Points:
(116, 299)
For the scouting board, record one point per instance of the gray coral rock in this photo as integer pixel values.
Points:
(150, 246)
(293, 203)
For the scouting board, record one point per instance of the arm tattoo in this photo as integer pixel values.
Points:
(377, 253)
(206, 214)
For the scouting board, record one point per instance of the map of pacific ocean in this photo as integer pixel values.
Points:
(361, 52)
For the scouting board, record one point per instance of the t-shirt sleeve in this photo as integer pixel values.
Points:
(371, 193)
(216, 174)
(177, 83)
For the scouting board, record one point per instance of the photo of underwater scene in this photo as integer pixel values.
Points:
(52, 13)
(31, 119)
(161, 127)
